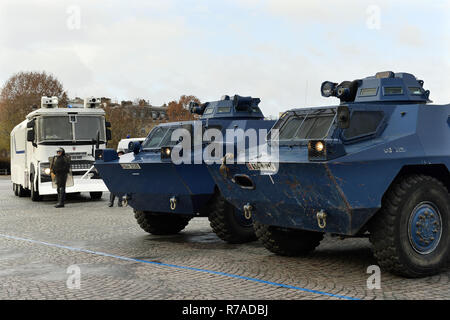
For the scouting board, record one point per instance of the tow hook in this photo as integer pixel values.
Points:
(322, 219)
(224, 170)
(248, 211)
(125, 200)
(173, 203)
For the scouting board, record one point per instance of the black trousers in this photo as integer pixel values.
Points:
(61, 189)
(112, 197)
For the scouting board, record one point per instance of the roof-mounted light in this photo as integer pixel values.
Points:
(328, 89)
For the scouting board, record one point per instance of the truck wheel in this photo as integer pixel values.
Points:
(410, 234)
(287, 242)
(96, 195)
(229, 223)
(16, 189)
(161, 223)
(22, 192)
(35, 196)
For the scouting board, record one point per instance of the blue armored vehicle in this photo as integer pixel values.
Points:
(375, 165)
(166, 195)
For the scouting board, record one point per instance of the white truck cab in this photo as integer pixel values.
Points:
(80, 131)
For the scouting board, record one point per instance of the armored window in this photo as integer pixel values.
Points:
(209, 110)
(365, 92)
(363, 123)
(306, 127)
(155, 137)
(223, 109)
(415, 91)
(315, 127)
(390, 91)
(290, 128)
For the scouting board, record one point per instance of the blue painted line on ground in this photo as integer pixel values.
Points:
(180, 267)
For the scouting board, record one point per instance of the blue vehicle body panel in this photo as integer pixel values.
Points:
(150, 187)
(349, 188)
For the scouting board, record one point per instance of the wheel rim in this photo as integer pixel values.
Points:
(425, 228)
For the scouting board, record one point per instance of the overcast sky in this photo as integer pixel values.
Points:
(278, 50)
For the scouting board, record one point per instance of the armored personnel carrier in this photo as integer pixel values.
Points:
(375, 165)
(166, 195)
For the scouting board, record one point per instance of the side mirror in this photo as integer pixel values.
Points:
(343, 117)
(108, 135)
(30, 135)
(30, 124)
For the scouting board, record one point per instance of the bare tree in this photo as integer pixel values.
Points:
(20, 93)
(179, 110)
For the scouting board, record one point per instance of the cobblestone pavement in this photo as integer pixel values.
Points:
(38, 243)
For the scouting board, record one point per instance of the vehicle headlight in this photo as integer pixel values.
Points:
(319, 146)
(166, 152)
(47, 171)
(323, 150)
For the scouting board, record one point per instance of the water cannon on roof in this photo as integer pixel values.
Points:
(49, 102)
(92, 102)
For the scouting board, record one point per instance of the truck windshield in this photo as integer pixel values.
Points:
(57, 128)
(86, 128)
(70, 128)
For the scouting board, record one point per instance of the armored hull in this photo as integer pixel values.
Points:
(376, 165)
(153, 184)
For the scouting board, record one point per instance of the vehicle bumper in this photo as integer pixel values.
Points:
(80, 185)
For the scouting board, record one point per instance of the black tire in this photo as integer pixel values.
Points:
(21, 191)
(16, 190)
(161, 223)
(96, 195)
(287, 242)
(226, 222)
(35, 196)
(390, 230)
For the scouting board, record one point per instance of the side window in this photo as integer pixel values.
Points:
(363, 123)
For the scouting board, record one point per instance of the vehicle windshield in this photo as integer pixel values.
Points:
(161, 137)
(87, 127)
(306, 126)
(56, 128)
(70, 128)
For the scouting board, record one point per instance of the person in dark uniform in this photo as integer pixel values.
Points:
(61, 168)
(112, 196)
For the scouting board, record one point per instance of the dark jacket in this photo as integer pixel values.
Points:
(61, 168)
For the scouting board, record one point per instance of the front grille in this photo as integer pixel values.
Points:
(81, 165)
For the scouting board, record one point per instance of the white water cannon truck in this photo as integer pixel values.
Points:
(80, 131)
